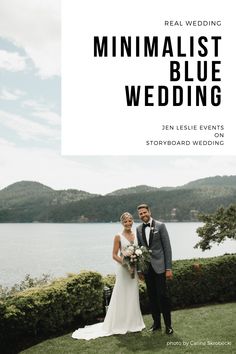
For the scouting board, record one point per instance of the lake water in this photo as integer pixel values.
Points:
(63, 248)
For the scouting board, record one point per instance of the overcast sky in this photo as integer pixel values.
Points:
(30, 116)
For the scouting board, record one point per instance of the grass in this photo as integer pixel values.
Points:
(197, 331)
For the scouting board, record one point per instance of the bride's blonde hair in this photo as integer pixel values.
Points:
(125, 216)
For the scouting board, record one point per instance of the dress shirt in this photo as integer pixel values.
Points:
(147, 231)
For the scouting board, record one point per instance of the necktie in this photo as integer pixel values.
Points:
(146, 225)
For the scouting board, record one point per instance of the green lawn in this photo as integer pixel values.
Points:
(208, 329)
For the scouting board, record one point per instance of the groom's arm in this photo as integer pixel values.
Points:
(167, 250)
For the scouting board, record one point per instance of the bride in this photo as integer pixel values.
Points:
(123, 313)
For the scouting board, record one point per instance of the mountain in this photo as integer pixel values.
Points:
(175, 205)
(203, 183)
(32, 201)
(209, 182)
(26, 191)
(28, 201)
(23, 192)
(132, 190)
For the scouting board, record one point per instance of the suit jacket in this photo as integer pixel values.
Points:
(159, 244)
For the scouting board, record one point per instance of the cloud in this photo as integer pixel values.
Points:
(45, 166)
(14, 95)
(12, 61)
(51, 118)
(6, 143)
(35, 105)
(27, 129)
(42, 111)
(104, 174)
(34, 26)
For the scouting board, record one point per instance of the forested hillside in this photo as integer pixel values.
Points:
(28, 201)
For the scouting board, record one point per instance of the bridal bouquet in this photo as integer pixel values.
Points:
(136, 257)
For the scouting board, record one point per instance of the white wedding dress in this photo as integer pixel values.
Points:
(123, 313)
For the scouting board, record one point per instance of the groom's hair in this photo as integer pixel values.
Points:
(146, 206)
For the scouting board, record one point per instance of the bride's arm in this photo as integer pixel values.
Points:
(116, 248)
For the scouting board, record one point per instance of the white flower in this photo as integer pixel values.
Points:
(131, 248)
(138, 252)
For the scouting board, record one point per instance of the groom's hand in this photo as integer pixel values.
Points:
(169, 274)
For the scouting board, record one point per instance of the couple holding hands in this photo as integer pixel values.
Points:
(124, 314)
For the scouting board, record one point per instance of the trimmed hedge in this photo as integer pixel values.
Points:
(196, 282)
(67, 302)
(202, 281)
(43, 311)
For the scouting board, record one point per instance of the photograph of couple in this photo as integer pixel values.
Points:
(124, 314)
(127, 251)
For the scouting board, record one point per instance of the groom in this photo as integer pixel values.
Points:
(153, 235)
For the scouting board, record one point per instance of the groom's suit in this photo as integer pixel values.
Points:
(161, 260)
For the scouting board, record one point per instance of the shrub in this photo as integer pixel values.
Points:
(50, 309)
(201, 281)
(78, 299)
(196, 282)
(109, 281)
(26, 283)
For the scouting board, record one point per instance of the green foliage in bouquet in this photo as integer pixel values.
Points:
(136, 257)
(144, 259)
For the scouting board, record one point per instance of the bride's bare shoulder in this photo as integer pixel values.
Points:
(117, 241)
